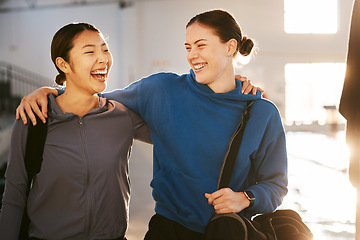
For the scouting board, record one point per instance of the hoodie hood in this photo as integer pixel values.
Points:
(56, 115)
(234, 95)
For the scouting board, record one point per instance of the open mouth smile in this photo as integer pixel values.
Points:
(99, 74)
(199, 66)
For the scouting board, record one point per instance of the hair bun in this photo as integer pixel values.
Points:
(246, 46)
(60, 79)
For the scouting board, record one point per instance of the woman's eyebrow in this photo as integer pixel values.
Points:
(202, 39)
(199, 40)
(93, 45)
(88, 45)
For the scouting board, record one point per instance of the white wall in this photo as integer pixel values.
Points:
(26, 36)
(162, 27)
(149, 37)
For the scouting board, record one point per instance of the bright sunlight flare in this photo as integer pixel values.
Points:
(310, 16)
(319, 187)
(310, 87)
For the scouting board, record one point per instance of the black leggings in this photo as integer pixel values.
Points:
(120, 238)
(161, 228)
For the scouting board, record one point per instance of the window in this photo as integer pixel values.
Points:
(310, 16)
(310, 87)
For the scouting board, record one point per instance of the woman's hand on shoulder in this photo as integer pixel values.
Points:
(247, 86)
(32, 103)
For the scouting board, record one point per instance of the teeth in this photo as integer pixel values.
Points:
(199, 66)
(99, 72)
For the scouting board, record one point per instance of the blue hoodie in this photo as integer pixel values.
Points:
(191, 127)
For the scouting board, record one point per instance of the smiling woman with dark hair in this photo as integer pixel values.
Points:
(82, 190)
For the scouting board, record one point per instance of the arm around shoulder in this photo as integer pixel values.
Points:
(128, 96)
(141, 128)
(32, 103)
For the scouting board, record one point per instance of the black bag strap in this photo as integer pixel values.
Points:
(233, 149)
(35, 143)
(34, 150)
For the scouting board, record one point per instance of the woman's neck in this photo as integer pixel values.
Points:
(77, 103)
(225, 82)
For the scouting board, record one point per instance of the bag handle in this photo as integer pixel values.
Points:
(233, 149)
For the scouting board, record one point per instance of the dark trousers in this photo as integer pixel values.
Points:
(161, 228)
(121, 238)
(281, 225)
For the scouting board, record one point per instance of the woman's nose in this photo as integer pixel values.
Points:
(192, 54)
(103, 58)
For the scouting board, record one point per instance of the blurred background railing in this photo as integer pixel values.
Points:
(16, 82)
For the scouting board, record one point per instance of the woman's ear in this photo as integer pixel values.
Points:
(62, 64)
(231, 47)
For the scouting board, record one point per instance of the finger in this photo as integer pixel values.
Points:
(212, 197)
(224, 210)
(245, 85)
(30, 114)
(249, 88)
(209, 197)
(224, 207)
(220, 206)
(54, 91)
(36, 110)
(17, 113)
(218, 201)
(21, 114)
(254, 91)
(223, 197)
(43, 104)
(240, 78)
(216, 196)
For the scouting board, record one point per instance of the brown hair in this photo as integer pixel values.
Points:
(226, 27)
(63, 42)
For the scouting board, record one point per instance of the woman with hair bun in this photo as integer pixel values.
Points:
(192, 118)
